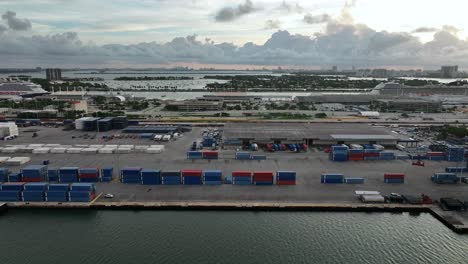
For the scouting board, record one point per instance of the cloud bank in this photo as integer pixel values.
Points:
(342, 42)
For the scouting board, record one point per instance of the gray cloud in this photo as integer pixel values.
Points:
(323, 18)
(229, 13)
(451, 29)
(340, 44)
(425, 30)
(291, 8)
(272, 24)
(15, 23)
(2, 29)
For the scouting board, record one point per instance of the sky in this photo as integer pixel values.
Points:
(399, 34)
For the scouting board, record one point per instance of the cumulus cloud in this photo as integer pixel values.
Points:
(15, 23)
(230, 13)
(272, 24)
(323, 18)
(340, 44)
(425, 30)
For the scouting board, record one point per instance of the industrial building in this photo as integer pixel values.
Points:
(195, 105)
(321, 134)
(449, 72)
(407, 105)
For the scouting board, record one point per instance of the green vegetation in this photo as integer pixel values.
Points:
(46, 85)
(320, 115)
(223, 114)
(38, 104)
(456, 131)
(285, 116)
(286, 83)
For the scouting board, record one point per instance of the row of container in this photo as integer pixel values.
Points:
(210, 155)
(138, 175)
(101, 125)
(40, 173)
(283, 147)
(337, 178)
(45, 192)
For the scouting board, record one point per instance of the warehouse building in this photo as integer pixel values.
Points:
(407, 105)
(319, 134)
(194, 105)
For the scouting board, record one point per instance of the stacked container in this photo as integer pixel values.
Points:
(210, 155)
(150, 177)
(68, 174)
(82, 192)
(455, 153)
(104, 124)
(356, 154)
(259, 157)
(34, 173)
(371, 154)
(445, 178)
(192, 155)
(456, 169)
(14, 177)
(192, 177)
(339, 153)
(263, 178)
(212, 177)
(119, 122)
(130, 175)
(11, 192)
(433, 155)
(89, 175)
(241, 155)
(241, 177)
(394, 178)
(170, 177)
(57, 193)
(387, 155)
(107, 174)
(53, 175)
(286, 177)
(34, 192)
(4, 172)
(332, 178)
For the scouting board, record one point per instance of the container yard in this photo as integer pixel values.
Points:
(227, 174)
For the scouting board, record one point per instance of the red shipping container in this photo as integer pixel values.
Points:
(88, 175)
(263, 173)
(355, 158)
(241, 174)
(435, 154)
(394, 176)
(196, 173)
(210, 153)
(286, 183)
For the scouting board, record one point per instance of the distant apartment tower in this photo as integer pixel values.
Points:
(379, 73)
(449, 72)
(54, 74)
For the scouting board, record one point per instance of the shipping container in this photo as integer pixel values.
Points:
(243, 155)
(191, 155)
(33, 196)
(83, 187)
(58, 187)
(36, 186)
(12, 186)
(332, 178)
(372, 198)
(445, 178)
(354, 180)
(56, 196)
(10, 196)
(14, 177)
(150, 177)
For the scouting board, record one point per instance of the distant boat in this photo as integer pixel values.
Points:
(163, 95)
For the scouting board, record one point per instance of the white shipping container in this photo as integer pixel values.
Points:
(372, 199)
(89, 150)
(127, 146)
(16, 161)
(11, 127)
(41, 150)
(106, 150)
(10, 150)
(123, 150)
(111, 146)
(356, 146)
(58, 150)
(52, 145)
(35, 145)
(81, 146)
(74, 150)
(154, 150)
(96, 146)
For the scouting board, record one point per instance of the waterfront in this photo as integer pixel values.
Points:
(88, 236)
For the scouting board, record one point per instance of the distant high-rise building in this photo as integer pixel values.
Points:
(449, 72)
(335, 68)
(54, 74)
(380, 73)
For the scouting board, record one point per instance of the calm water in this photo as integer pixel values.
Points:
(115, 237)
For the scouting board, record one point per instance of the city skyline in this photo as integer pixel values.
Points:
(232, 34)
